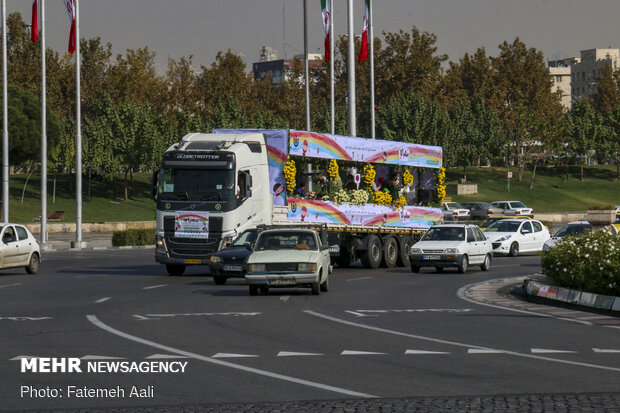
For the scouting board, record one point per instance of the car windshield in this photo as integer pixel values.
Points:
(569, 229)
(444, 234)
(245, 237)
(453, 205)
(504, 226)
(286, 240)
(517, 205)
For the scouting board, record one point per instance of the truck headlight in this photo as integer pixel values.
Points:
(159, 242)
(306, 266)
(215, 258)
(451, 251)
(256, 267)
(416, 251)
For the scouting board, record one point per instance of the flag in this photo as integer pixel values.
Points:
(70, 5)
(364, 49)
(327, 15)
(34, 28)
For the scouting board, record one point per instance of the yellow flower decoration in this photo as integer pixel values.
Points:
(382, 198)
(441, 184)
(400, 202)
(290, 172)
(369, 174)
(407, 177)
(332, 171)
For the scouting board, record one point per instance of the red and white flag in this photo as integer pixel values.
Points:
(327, 16)
(364, 49)
(70, 5)
(34, 28)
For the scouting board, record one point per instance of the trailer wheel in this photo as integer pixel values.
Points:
(175, 269)
(390, 252)
(371, 258)
(405, 247)
(253, 290)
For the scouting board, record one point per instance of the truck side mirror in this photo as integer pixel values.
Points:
(154, 185)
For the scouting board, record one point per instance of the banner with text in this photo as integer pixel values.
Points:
(193, 224)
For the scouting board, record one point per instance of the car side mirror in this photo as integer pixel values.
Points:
(324, 247)
(247, 245)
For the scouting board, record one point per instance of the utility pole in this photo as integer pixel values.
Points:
(351, 69)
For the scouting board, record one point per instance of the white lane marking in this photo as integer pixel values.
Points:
(164, 356)
(154, 286)
(483, 351)
(357, 279)
(418, 310)
(18, 318)
(358, 353)
(605, 350)
(155, 316)
(361, 315)
(93, 319)
(456, 343)
(93, 357)
(101, 300)
(549, 351)
(461, 294)
(422, 352)
(231, 355)
(285, 298)
(294, 354)
(598, 317)
(10, 285)
(142, 318)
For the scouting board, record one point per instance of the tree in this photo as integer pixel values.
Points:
(607, 90)
(585, 130)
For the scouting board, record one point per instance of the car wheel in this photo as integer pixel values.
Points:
(464, 264)
(219, 280)
(325, 284)
(405, 246)
(415, 268)
(264, 289)
(514, 250)
(34, 264)
(253, 289)
(175, 270)
(486, 265)
(390, 253)
(316, 288)
(371, 258)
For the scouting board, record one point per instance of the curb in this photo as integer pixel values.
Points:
(128, 247)
(540, 289)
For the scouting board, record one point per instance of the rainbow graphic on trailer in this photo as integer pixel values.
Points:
(193, 224)
(316, 145)
(310, 210)
(277, 181)
(406, 217)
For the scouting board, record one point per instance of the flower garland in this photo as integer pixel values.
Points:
(441, 184)
(290, 172)
(400, 202)
(407, 177)
(369, 174)
(332, 171)
(382, 198)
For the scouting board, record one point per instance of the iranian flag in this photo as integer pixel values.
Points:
(34, 28)
(70, 5)
(364, 49)
(327, 15)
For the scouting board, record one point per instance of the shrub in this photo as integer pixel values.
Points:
(587, 262)
(133, 237)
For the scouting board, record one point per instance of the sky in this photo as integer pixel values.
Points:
(180, 28)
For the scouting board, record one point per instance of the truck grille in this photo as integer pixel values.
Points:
(191, 247)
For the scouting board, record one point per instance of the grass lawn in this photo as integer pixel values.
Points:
(556, 189)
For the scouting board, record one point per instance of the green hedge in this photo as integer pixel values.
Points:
(587, 262)
(133, 237)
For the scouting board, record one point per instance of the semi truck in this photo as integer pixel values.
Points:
(211, 187)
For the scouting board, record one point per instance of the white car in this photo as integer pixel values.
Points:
(451, 245)
(512, 208)
(514, 236)
(289, 257)
(19, 248)
(571, 228)
(453, 211)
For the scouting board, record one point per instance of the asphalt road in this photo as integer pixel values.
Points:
(410, 340)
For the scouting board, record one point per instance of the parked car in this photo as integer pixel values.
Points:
(512, 208)
(452, 245)
(232, 260)
(496, 218)
(478, 210)
(19, 248)
(289, 257)
(577, 227)
(514, 236)
(453, 211)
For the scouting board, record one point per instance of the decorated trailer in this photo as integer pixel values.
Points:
(212, 187)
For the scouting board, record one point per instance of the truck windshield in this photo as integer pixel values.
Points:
(196, 184)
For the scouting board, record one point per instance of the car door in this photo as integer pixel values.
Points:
(485, 245)
(527, 237)
(325, 260)
(24, 245)
(540, 235)
(474, 246)
(10, 247)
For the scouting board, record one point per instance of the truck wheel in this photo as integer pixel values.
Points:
(316, 288)
(405, 247)
(253, 289)
(486, 265)
(371, 258)
(219, 280)
(175, 269)
(264, 289)
(514, 249)
(464, 264)
(390, 253)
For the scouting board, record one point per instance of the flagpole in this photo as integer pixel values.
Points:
(78, 136)
(5, 124)
(351, 69)
(43, 238)
(331, 67)
(371, 44)
(306, 65)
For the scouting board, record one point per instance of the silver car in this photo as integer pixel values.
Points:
(19, 248)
